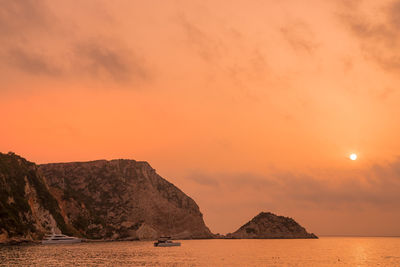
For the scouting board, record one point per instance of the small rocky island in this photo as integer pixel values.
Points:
(267, 225)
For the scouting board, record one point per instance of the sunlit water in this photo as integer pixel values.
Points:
(326, 251)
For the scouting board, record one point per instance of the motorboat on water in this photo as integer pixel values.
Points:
(60, 239)
(165, 241)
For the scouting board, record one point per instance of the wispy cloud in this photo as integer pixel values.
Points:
(34, 41)
(300, 37)
(22, 17)
(377, 186)
(379, 38)
(206, 46)
(32, 63)
(98, 59)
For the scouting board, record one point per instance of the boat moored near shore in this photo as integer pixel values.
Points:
(60, 239)
(165, 241)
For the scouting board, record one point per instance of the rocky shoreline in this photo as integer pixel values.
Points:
(102, 201)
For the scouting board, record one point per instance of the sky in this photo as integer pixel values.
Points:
(247, 106)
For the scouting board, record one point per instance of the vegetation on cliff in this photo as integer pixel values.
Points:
(112, 200)
(24, 196)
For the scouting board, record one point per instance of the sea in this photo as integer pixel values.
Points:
(326, 251)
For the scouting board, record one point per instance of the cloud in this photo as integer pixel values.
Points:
(299, 36)
(207, 47)
(232, 181)
(201, 179)
(377, 186)
(227, 53)
(394, 14)
(379, 39)
(39, 40)
(120, 64)
(32, 63)
(20, 17)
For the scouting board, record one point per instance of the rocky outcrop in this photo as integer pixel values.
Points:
(27, 208)
(122, 199)
(267, 225)
(109, 200)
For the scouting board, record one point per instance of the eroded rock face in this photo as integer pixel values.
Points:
(112, 200)
(27, 208)
(267, 225)
(122, 199)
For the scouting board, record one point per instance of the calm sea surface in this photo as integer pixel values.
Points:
(326, 251)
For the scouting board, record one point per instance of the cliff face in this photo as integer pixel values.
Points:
(122, 199)
(118, 199)
(27, 208)
(268, 225)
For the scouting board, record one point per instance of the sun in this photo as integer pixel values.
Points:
(353, 156)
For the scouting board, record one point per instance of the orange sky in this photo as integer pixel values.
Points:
(244, 105)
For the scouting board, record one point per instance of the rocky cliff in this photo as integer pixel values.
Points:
(27, 208)
(268, 225)
(114, 200)
(122, 199)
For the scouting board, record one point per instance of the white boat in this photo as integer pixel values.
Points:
(165, 241)
(60, 239)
